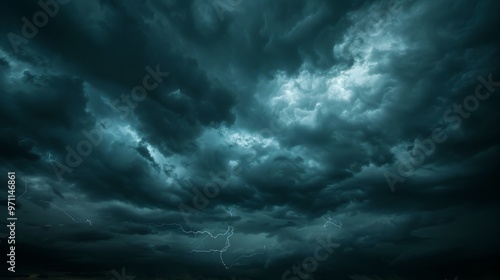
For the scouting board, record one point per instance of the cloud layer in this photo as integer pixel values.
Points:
(270, 125)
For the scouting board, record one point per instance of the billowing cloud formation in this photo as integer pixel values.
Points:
(252, 139)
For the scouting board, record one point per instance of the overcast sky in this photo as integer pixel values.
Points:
(244, 139)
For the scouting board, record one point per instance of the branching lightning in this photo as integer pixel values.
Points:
(227, 244)
(230, 211)
(2, 235)
(332, 222)
(228, 233)
(64, 211)
(196, 233)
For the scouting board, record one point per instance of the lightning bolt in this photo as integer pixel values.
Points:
(302, 228)
(65, 213)
(228, 233)
(227, 244)
(230, 211)
(90, 222)
(2, 235)
(247, 256)
(50, 157)
(59, 208)
(332, 222)
(25, 188)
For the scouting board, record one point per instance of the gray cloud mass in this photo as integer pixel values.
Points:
(231, 139)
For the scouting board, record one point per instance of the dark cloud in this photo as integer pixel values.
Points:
(223, 139)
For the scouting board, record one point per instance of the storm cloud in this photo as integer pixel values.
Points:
(241, 139)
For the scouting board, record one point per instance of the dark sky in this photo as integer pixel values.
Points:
(252, 139)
